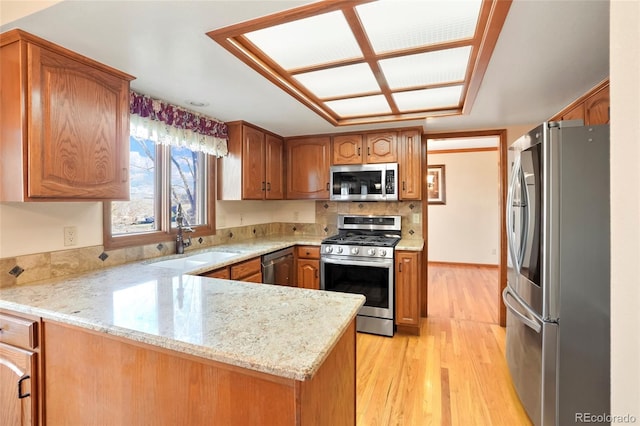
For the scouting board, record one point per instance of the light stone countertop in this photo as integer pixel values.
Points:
(284, 331)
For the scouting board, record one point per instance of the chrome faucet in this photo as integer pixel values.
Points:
(180, 242)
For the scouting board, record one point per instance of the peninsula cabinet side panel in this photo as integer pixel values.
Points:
(95, 379)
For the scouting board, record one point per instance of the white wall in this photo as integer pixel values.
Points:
(625, 208)
(466, 228)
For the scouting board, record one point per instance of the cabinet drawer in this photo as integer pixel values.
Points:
(246, 268)
(18, 331)
(254, 278)
(222, 273)
(308, 252)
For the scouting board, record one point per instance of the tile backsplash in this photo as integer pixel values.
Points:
(41, 266)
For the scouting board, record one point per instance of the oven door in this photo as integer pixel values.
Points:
(373, 278)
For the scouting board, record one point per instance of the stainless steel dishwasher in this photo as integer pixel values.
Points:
(277, 267)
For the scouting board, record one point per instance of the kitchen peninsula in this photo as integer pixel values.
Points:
(139, 344)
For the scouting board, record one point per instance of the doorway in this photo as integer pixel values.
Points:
(464, 222)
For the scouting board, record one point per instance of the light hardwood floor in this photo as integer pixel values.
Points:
(454, 373)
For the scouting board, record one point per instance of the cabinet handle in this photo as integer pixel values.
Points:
(316, 273)
(358, 151)
(268, 186)
(20, 394)
(399, 267)
(327, 186)
(404, 185)
(263, 185)
(368, 150)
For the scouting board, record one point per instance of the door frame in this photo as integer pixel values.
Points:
(502, 199)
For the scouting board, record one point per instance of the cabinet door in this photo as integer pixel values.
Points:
(309, 273)
(253, 183)
(382, 148)
(347, 149)
(410, 165)
(596, 108)
(17, 369)
(274, 168)
(308, 162)
(576, 113)
(78, 129)
(407, 288)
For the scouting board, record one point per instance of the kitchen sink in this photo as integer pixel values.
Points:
(194, 261)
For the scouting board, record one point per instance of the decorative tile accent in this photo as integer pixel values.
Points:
(326, 206)
(200, 240)
(160, 247)
(411, 231)
(294, 229)
(230, 234)
(254, 231)
(325, 229)
(411, 206)
(103, 256)
(16, 271)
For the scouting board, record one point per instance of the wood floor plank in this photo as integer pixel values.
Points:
(454, 373)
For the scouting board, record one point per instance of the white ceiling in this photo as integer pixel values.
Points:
(548, 54)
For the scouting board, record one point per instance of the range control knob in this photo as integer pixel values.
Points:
(371, 252)
(383, 252)
(355, 250)
(328, 249)
(339, 249)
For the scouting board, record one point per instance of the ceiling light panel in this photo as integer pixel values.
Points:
(418, 100)
(401, 24)
(340, 81)
(306, 42)
(362, 106)
(423, 69)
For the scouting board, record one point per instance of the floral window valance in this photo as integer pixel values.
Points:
(168, 124)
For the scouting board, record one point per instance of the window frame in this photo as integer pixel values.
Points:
(163, 202)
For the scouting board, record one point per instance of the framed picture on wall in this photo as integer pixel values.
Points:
(435, 184)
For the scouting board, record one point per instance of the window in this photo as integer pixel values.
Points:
(161, 177)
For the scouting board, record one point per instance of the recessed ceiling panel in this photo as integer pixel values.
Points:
(418, 100)
(401, 24)
(349, 80)
(423, 69)
(310, 41)
(365, 105)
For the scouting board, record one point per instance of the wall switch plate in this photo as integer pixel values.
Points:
(416, 217)
(70, 236)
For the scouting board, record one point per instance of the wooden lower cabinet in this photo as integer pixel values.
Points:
(308, 267)
(95, 378)
(19, 371)
(248, 270)
(408, 291)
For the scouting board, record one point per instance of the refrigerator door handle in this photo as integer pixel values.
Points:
(532, 324)
(511, 203)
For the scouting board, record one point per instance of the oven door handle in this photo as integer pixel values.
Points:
(382, 263)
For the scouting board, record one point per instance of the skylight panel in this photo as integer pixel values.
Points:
(365, 105)
(310, 41)
(417, 100)
(397, 25)
(423, 69)
(340, 81)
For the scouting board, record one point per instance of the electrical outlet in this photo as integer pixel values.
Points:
(70, 236)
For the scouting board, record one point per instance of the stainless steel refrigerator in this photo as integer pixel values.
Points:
(557, 294)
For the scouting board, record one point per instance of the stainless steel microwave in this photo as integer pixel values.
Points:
(364, 182)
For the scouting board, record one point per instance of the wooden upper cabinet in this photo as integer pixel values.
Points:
(596, 108)
(308, 162)
(274, 167)
(347, 149)
(410, 165)
(592, 108)
(252, 170)
(365, 148)
(64, 124)
(382, 147)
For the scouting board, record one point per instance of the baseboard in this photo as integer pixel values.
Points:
(463, 264)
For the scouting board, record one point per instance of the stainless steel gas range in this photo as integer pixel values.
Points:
(360, 259)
